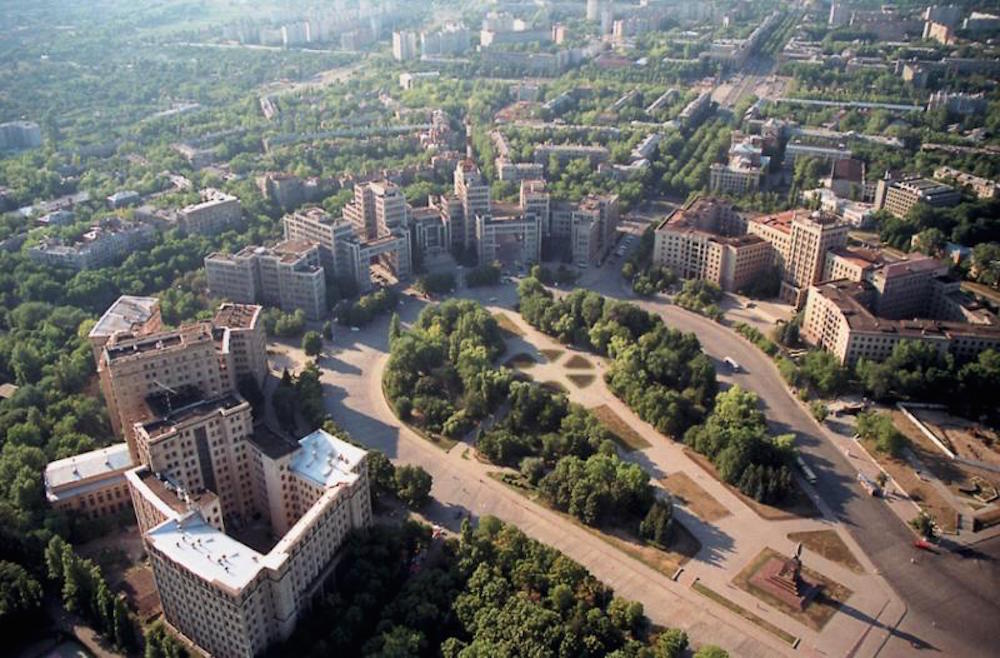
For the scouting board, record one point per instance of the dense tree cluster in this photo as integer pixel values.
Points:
(661, 373)
(435, 284)
(300, 397)
(735, 438)
(701, 296)
(361, 312)
(440, 373)
(918, 371)
(494, 593)
(969, 223)
(879, 428)
(280, 324)
(484, 275)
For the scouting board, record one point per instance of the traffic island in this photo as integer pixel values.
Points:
(781, 582)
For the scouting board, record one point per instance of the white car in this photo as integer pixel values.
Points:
(355, 329)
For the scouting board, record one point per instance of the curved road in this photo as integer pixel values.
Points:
(953, 598)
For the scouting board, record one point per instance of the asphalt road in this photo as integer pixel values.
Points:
(953, 598)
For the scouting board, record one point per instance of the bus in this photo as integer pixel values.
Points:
(807, 472)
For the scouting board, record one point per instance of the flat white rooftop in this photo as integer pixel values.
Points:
(88, 465)
(128, 310)
(206, 552)
(326, 460)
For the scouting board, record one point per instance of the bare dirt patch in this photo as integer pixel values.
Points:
(923, 493)
(817, 613)
(507, 325)
(828, 544)
(625, 433)
(552, 355)
(797, 504)
(690, 494)
(581, 381)
(577, 362)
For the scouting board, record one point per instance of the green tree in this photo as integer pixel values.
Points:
(671, 643)
(413, 485)
(312, 343)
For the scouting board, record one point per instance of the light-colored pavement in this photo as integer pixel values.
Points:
(352, 371)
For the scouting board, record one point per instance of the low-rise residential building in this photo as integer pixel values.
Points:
(984, 188)
(566, 152)
(289, 276)
(123, 199)
(958, 102)
(797, 148)
(92, 485)
(216, 212)
(696, 111)
(106, 243)
(899, 195)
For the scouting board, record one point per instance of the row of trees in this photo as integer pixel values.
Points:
(440, 373)
(86, 593)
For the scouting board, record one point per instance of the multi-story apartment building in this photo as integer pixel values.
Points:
(595, 226)
(707, 240)
(19, 135)
(216, 212)
(404, 45)
(536, 199)
(473, 194)
(566, 152)
(288, 275)
(234, 600)
(739, 176)
(904, 289)
(838, 318)
(104, 244)
(317, 226)
(984, 188)
(452, 39)
(695, 112)
(137, 316)
(137, 358)
(91, 485)
(801, 240)
(509, 235)
(899, 195)
(378, 208)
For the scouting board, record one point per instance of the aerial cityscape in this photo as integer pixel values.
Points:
(514, 328)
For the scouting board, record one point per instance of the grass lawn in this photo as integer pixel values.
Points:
(625, 433)
(507, 325)
(577, 362)
(580, 380)
(743, 612)
(819, 611)
(521, 361)
(796, 506)
(683, 545)
(694, 497)
(554, 387)
(828, 544)
(552, 355)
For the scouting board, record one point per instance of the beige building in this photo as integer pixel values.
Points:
(288, 275)
(231, 599)
(738, 177)
(984, 188)
(473, 194)
(707, 240)
(899, 195)
(509, 236)
(801, 240)
(216, 212)
(377, 210)
(143, 359)
(91, 485)
(838, 319)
